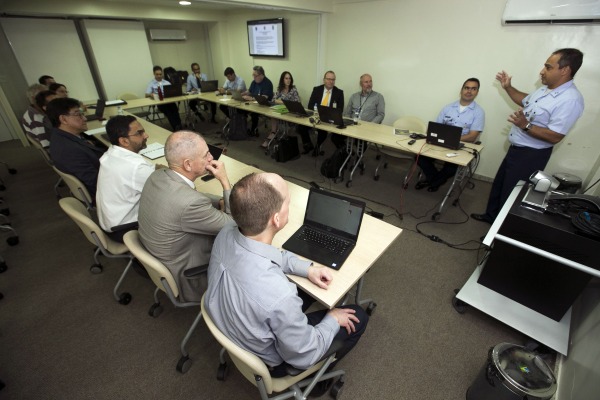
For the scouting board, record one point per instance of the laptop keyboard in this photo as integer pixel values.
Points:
(334, 244)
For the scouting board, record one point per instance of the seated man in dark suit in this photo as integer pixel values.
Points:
(178, 224)
(326, 95)
(71, 150)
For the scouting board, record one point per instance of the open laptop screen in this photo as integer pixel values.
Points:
(328, 212)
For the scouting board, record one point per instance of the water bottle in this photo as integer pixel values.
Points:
(355, 116)
(315, 109)
(119, 110)
(160, 93)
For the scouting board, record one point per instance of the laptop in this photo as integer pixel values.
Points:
(208, 86)
(172, 91)
(99, 114)
(237, 95)
(295, 107)
(447, 136)
(216, 153)
(263, 101)
(333, 116)
(330, 229)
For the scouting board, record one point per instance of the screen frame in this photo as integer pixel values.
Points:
(264, 22)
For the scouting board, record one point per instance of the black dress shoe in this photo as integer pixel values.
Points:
(482, 218)
(308, 149)
(200, 116)
(421, 185)
(433, 188)
(321, 388)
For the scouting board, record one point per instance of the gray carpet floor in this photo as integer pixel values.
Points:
(63, 336)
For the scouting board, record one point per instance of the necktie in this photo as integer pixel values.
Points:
(325, 101)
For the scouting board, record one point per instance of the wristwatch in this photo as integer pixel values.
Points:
(527, 127)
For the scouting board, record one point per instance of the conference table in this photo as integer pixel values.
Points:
(465, 158)
(374, 238)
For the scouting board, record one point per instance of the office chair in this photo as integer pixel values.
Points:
(78, 189)
(38, 146)
(141, 114)
(257, 372)
(164, 280)
(409, 124)
(96, 236)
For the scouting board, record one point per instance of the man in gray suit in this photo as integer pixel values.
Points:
(178, 224)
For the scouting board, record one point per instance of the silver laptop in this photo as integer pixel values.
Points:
(330, 229)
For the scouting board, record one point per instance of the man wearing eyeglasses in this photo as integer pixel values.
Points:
(178, 224)
(123, 173)
(71, 150)
(467, 115)
(260, 86)
(327, 95)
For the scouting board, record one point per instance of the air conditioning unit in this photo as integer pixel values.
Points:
(551, 12)
(167, 34)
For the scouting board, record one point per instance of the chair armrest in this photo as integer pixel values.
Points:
(335, 346)
(194, 272)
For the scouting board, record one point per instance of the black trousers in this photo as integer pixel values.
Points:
(171, 111)
(314, 318)
(432, 174)
(304, 132)
(194, 107)
(519, 164)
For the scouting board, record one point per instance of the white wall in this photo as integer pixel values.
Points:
(419, 54)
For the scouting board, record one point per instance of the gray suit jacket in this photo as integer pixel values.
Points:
(178, 225)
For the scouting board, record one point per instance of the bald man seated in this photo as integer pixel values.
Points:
(251, 300)
(178, 224)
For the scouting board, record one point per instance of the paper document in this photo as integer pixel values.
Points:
(114, 102)
(97, 131)
(153, 151)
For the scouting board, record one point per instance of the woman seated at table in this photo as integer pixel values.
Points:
(285, 91)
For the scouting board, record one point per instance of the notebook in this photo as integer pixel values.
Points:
(444, 135)
(98, 115)
(295, 107)
(172, 91)
(333, 116)
(208, 86)
(153, 151)
(263, 101)
(330, 229)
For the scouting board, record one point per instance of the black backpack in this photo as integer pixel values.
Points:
(331, 166)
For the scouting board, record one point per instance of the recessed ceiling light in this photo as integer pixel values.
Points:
(185, 3)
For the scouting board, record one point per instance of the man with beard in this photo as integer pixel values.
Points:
(122, 175)
(368, 104)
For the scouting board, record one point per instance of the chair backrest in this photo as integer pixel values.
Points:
(77, 188)
(247, 363)
(127, 96)
(154, 267)
(80, 215)
(38, 146)
(411, 123)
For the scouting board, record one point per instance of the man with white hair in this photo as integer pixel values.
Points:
(178, 224)
(367, 105)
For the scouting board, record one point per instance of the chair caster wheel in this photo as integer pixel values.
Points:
(12, 171)
(155, 310)
(378, 157)
(96, 269)
(371, 308)
(5, 211)
(459, 305)
(124, 298)
(221, 372)
(13, 240)
(2, 187)
(376, 177)
(385, 165)
(336, 389)
(455, 202)
(349, 184)
(184, 364)
(435, 216)
(3, 267)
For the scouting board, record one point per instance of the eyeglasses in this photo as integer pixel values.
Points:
(138, 133)
(79, 114)
(330, 79)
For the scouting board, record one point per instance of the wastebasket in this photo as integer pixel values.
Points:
(513, 372)
(567, 182)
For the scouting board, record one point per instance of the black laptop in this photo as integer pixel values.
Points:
(208, 86)
(444, 135)
(263, 101)
(295, 107)
(99, 114)
(330, 230)
(172, 91)
(216, 153)
(333, 116)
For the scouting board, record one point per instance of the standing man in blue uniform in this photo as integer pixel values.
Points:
(546, 117)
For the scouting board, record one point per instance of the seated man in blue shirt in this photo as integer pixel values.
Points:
(171, 110)
(249, 297)
(193, 85)
(464, 113)
(260, 86)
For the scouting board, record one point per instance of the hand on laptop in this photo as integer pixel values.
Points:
(320, 276)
